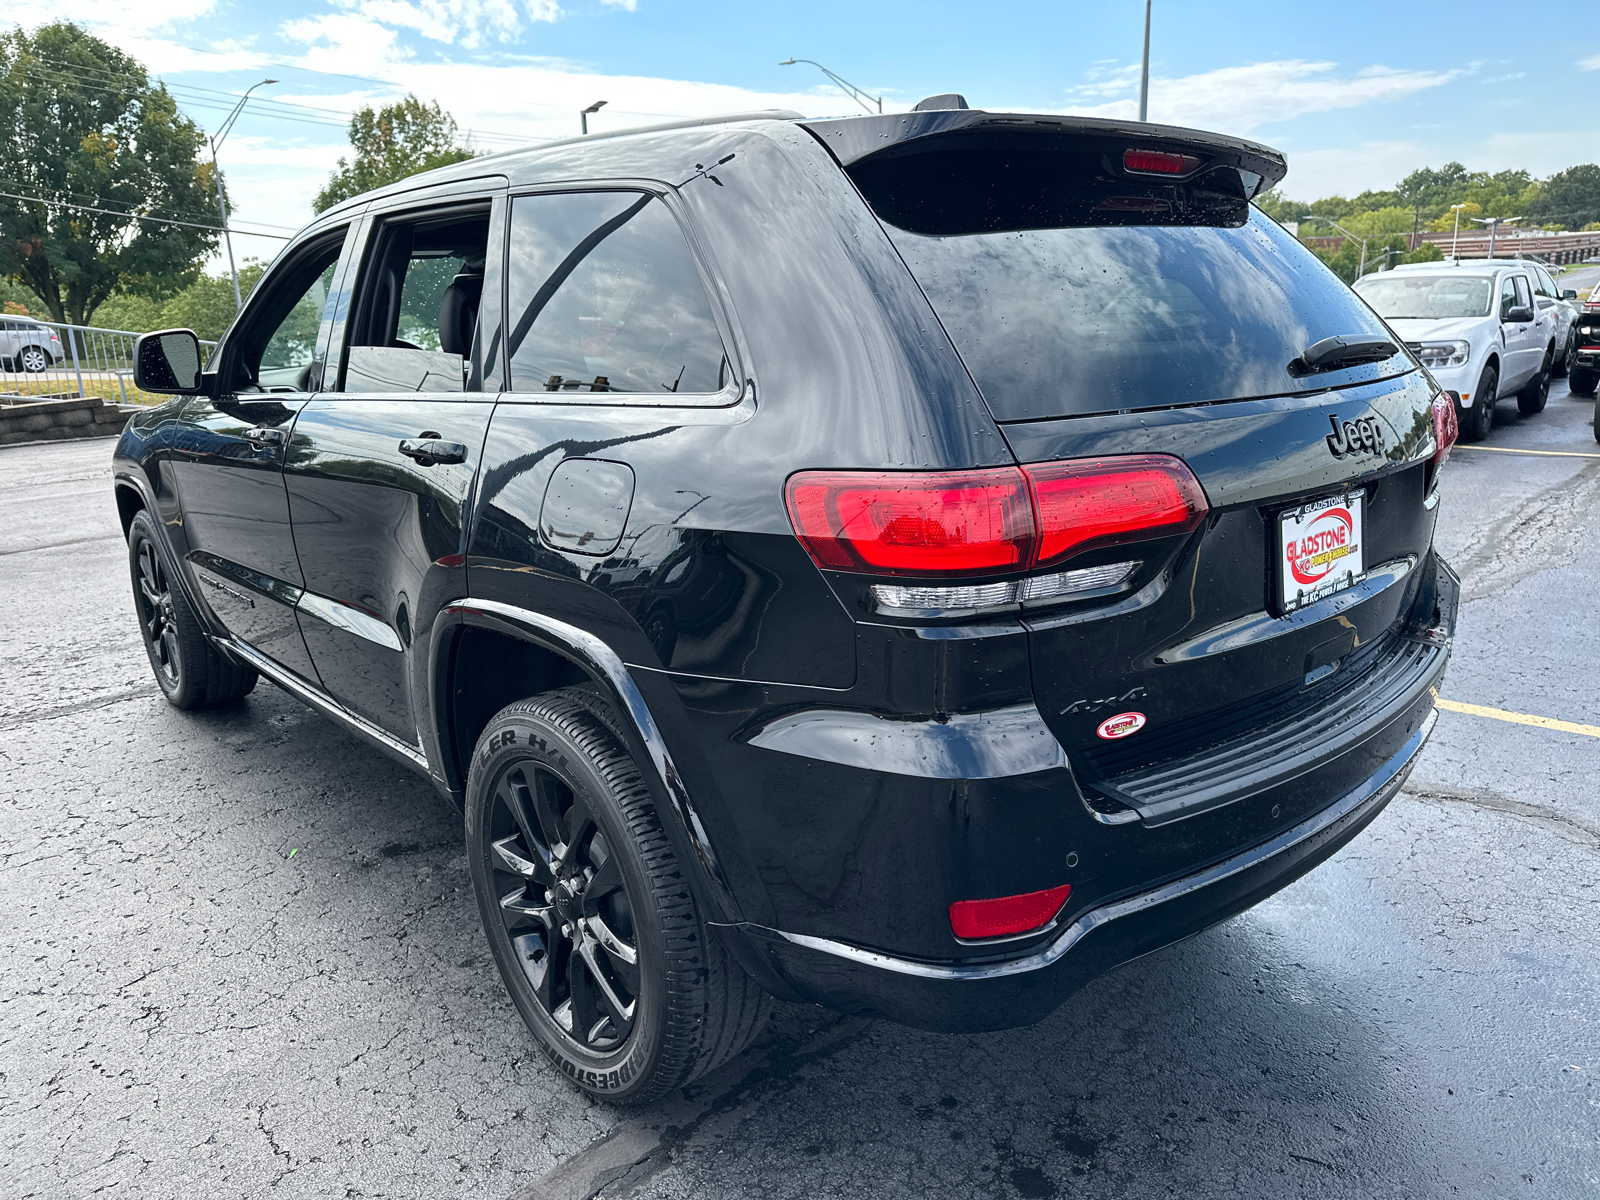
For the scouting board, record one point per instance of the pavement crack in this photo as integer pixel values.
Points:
(1573, 829)
(65, 710)
(102, 537)
(1541, 533)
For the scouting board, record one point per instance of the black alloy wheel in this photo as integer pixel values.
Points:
(190, 671)
(564, 906)
(35, 359)
(1563, 367)
(1479, 419)
(1531, 399)
(588, 913)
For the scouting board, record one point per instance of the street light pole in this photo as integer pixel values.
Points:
(1144, 71)
(583, 115)
(1348, 234)
(222, 205)
(850, 89)
(1457, 233)
(1493, 223)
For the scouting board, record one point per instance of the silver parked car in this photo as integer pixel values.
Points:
(28, 345)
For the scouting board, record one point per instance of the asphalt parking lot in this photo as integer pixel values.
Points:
(241, 958)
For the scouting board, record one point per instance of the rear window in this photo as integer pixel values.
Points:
(1397, 297)
(1069, 287)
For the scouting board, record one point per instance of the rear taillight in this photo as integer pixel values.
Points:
(972, 920)
(1446, 428)
(1158, 162)
(996, 521)
(1082, 504)
(904, 523)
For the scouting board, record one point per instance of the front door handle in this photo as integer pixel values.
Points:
(262, 436)
(429, 450)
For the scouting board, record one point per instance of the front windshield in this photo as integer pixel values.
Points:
(1430, 296)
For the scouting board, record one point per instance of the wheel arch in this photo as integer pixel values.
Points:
(130, 501)
(539, 653)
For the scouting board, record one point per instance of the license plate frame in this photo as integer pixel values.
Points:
(1320, 549)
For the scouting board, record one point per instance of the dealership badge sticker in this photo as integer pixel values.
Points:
(1321, 549)
(1121, 725)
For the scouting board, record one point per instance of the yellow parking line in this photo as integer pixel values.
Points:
(1541, 453)
(1516, 718)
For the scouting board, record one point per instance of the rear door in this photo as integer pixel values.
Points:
(381, 468)
(227, 452)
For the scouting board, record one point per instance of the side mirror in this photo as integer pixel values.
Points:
(1569, 294)
(1520, 315)
(167, 362)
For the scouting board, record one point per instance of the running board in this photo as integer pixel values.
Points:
(325, 704)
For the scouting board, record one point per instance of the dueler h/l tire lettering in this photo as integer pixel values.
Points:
(588, 912)
(189, 670)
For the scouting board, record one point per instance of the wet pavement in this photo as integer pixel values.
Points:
(240, 954)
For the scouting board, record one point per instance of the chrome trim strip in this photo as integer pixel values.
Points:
(1397, 768)
(350, 619)
(603, 659)
(305, 692)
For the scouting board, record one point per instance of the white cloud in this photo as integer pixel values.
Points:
(1241, 99)
(624, 5)
(547, 10)
(1592, 63)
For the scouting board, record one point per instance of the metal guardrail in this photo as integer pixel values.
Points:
(84, 360)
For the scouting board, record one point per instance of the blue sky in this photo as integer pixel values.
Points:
(1357, 94)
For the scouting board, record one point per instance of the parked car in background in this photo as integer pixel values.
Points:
(1548, 293)
(907, 563)
(1585, 373)
(1477, 327)
(28, 345)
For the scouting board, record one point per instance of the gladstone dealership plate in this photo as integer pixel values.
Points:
(1319, 549)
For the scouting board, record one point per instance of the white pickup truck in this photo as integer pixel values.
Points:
(1477, 326)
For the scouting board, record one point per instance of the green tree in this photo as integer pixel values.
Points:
(81, 124)
(391, 143)
(1571, 197)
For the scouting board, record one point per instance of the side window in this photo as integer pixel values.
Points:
(603, 296)
(1508, 296)
(275, 348)
(1543, 284)
(1524, 297)
(417, 312)
(289, 351)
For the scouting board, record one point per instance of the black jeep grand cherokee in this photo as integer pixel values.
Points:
(908, 563)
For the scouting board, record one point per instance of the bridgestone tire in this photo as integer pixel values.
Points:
(191, 672)
(1531, 399)
(1479, 418)
(1583, 381)
(694, 1008)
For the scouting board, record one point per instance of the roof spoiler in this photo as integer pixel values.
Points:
(851, 139)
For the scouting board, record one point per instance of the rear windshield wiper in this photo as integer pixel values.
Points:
(1343, 351)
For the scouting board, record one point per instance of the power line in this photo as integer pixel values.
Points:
(137, 217)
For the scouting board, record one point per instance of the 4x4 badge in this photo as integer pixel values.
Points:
(1364, 433)
(1089, 706)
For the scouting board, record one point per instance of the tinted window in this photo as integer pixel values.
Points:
(604, 297)
(1543, 284)
(294, 342)
(1508, 296)
(1439, 296)
(1070, 290)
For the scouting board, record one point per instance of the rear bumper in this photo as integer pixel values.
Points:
(1003, 993)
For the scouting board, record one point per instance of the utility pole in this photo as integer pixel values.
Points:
(222, 205)
(1144, 71)
(1457, 209)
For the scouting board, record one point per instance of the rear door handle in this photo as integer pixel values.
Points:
(265, 437)
(429, 450)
